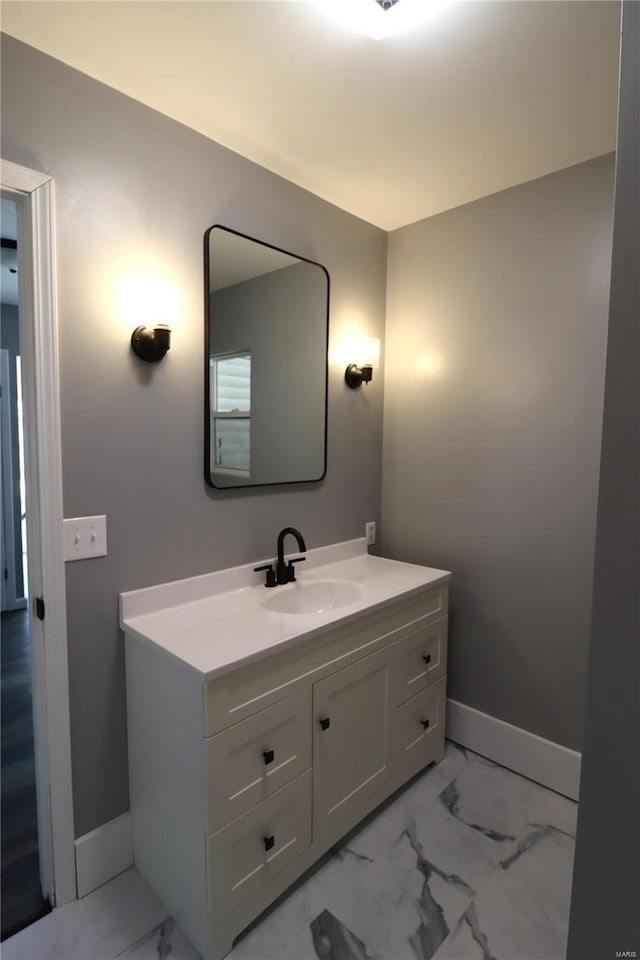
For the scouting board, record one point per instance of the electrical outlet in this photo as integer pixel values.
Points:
(85, 537)
(370, 532)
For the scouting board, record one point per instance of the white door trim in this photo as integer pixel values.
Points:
(43, 456)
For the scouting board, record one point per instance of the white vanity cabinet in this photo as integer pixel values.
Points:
(241, 782)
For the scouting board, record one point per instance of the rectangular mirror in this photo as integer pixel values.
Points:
(266, 333)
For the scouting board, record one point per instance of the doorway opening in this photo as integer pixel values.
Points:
(22, 898)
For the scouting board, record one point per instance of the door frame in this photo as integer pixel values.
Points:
(35, 195)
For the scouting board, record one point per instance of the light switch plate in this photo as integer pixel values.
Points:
(370, 532)
(85, 537)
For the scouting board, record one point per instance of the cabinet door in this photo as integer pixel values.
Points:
(350, 743)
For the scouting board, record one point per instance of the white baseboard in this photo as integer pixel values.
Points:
(544, 761)
(103, 853)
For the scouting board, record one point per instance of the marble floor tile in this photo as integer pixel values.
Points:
(395, 888)
(332, 939)
(417, 876)
(163, 941)
(522, 910)
(282, 935)
(64, 934)
(97, 927)
(471, 860)
(505, 807)
(436, 777)
(402, 900)
(409, 803)
(123, 910)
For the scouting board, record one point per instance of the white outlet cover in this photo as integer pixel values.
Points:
(85, 538)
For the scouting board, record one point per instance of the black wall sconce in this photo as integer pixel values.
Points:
(151, 344)
(358, 373)
(355, 376)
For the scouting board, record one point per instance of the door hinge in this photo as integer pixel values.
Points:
(39, 608)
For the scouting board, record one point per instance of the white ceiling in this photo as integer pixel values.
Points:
(482, 96)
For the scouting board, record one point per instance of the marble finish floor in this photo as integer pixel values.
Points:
(470, 861)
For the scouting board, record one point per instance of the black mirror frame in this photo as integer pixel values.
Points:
(207, 386)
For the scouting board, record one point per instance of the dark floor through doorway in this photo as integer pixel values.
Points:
(22, 901)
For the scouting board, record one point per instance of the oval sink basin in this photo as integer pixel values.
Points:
(314, 597)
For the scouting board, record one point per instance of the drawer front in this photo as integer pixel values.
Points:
(253, 849)
(251, 760)
(421, 658)
(417, 729)
(242, 692)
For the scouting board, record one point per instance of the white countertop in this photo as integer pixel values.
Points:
(216, 622)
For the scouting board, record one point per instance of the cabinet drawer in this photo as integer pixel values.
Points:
(253, 849)
(421, 658)
(251, 760)
(243, 692)
(417, 729)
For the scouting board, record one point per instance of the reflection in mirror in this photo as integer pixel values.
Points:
(266, 333)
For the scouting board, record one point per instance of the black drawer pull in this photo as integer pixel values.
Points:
(427, 658)
(325, 723)
(269, 842)
(425, 724)
(269, 757)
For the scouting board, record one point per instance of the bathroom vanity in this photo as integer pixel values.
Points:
(265, 724)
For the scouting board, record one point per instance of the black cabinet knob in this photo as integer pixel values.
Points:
(425, 724)
(269, 842)
(325, 723)
(269, 757)
(427, 658)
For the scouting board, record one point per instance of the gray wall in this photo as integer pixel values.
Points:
(137, 190)
(496, 325)
(606, 880)
(282, 317)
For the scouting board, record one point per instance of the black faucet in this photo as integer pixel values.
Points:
(284, 572)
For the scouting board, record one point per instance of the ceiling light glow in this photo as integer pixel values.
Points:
(367, 16)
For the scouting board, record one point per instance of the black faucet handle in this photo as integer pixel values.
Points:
(291, 573)
(271, 574)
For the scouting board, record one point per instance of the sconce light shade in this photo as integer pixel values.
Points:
(358, 373)
(151, 345)
(355, 376)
